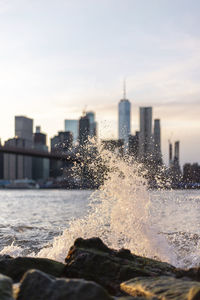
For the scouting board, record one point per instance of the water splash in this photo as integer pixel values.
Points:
(12, 250)
(118, 214)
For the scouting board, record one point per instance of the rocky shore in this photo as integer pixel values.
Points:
(92, 271)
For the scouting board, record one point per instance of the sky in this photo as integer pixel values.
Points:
(58, 58)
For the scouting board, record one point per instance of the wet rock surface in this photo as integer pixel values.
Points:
(94, 271)
(193, 273)
(92, 260)
(16, 267)
(134, 298)
(37, 285)
(163, 287)
(5, 288)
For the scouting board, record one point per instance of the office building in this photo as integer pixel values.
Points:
(24, 128)
(18, 166)
(157, 141)
(92, 124)
(176, 164)
(73, 127)
(84, 130)
(170, 154)
(174, 161)
(145, 135)
(39, 138)
(40, 166)
(60, 143)
(177, 153)
(124, 120)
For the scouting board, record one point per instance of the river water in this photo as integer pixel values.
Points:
(32, 218)
(46, 222)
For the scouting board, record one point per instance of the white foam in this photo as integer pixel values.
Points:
(12, 250)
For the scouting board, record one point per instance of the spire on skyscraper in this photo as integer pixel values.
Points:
(124, 90)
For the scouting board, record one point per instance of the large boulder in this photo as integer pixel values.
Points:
(5, 288)
(163, 287)
(92, 260)
(37, 285)
(193, 273)
(16, 267)
(135, 298)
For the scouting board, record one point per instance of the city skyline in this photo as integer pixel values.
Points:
(165, 155)
(149, 133)
(51, 69)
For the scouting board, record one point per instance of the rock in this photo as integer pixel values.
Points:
(133, 298)
(16, 288)
(193, 273)
(5, 288)
(163, 287)
(37, 285)
(91, 259)
(16, 267)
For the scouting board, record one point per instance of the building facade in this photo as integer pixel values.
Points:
(24, 128)
(18, 166)
(73, 127)
(41, 166)
(157, 141)
(60, 143)
(145, 135)
(84, 130)
(124, 120)
(92, 124)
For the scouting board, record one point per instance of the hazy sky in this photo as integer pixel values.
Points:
(60, 57)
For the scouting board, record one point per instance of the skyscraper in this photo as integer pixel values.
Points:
(176, 153)
(92, 124)
(170, 154)
(157, 141)
(175, 169)
(13, 164)
(18, 166)
(61, 143)
(24, 128)
(73, 127)
(145, 135)
(40, 165)
(124, 119)
(84, 130)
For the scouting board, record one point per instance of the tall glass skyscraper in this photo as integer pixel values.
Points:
(73, 127)
(93, 124)
(124, 119)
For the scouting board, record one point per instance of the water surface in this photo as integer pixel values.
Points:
(31, 219)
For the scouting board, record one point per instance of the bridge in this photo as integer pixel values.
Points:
(59, 155)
